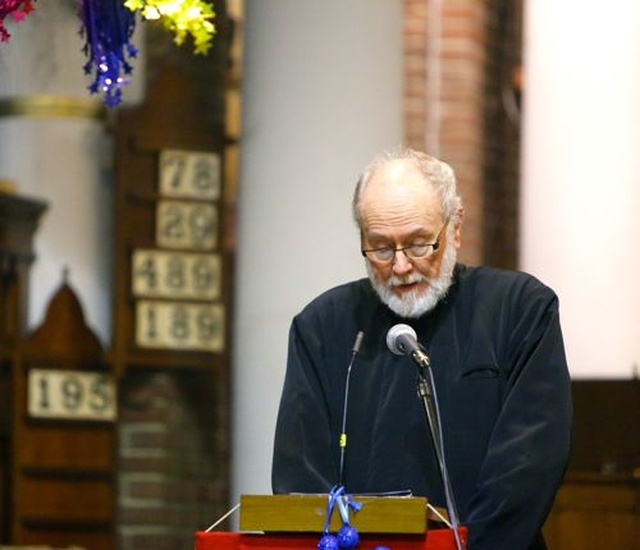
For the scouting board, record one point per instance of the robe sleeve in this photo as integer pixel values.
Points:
(529, 445)
(304, 453)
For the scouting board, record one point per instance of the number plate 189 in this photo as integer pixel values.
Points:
(180, 325)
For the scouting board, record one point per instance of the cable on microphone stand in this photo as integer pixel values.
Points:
(428, 395)
(343, 431)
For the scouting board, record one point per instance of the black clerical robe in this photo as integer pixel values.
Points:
(503, 392)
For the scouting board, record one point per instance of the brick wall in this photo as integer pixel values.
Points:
(501, 171)
(415, 72)
(173, 478)
(459, 56)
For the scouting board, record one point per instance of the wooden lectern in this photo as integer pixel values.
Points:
(276, 522)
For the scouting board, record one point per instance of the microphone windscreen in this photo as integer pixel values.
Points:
(394, 334)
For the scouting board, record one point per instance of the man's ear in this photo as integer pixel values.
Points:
(457, 228)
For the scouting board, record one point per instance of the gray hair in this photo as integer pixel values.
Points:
(436, 173)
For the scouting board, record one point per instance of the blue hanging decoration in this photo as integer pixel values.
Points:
(107, 27)
(347, 537)
(328, 541)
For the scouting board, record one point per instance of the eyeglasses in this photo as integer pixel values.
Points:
(386, 254)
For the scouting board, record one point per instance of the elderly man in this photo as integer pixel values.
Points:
(498, 364)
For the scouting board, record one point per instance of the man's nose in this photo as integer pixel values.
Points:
(401, 264)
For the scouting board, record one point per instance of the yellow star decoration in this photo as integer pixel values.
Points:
(182, 17)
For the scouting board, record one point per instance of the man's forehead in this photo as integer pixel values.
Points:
(396, 170)
(399, 186)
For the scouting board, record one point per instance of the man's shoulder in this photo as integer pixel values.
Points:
(341, 295)
(496, 280)
(340, 307)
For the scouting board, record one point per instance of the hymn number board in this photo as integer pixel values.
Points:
(177, 283)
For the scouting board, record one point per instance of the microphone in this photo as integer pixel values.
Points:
(343, 434)
(402, 340)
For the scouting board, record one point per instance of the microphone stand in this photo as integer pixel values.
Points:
(427, 393)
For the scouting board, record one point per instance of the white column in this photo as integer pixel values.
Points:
(322, 94)
(61, 155)
(581, 175)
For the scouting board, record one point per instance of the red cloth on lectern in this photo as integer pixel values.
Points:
(435, 539)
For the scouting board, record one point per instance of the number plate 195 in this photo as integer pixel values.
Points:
(73, 395)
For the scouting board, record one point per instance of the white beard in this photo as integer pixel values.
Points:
(417, 302)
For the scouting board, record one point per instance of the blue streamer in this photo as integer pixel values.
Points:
(107, 26)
